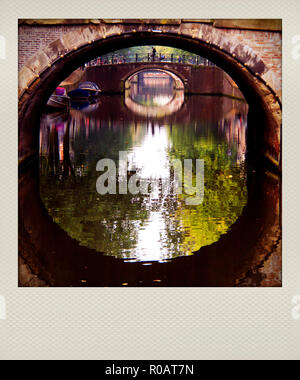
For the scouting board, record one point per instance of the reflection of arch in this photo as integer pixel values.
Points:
(216, 265)
(177, 77)
(156, 111)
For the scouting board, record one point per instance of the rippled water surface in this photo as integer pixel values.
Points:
(154, 124)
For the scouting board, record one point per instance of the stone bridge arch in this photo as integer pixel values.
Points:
(112, 78)
(47, 68)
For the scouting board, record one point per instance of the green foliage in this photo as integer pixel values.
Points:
(112, 223)
(225, 192)
(143, 52)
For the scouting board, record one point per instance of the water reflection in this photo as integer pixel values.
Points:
(151, 88)
(153, 94)
(158, 226)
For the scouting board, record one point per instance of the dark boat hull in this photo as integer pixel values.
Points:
(79, 95)
(59, 102)
(91, 87)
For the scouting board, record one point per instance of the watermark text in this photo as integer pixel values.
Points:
(185, 179)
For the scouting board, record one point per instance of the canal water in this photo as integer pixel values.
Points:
(154, 124)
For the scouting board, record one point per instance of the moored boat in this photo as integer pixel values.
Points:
(59, 99)
(91, 87)
(79, 95)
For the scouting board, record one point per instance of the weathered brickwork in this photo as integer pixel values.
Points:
(33, 38)
(265, 44)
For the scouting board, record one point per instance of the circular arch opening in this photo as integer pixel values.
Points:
(170, 106)
(178, 79)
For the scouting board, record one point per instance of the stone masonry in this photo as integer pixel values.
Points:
(34, 36)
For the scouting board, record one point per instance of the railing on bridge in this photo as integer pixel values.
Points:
(133, 58)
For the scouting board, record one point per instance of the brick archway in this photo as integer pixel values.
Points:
(47, 68)
(207, 34)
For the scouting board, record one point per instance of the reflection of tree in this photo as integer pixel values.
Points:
(113, 223)
(100, 222)
(54, 150)
(109, 222)
(67, 165)
(225, 191)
